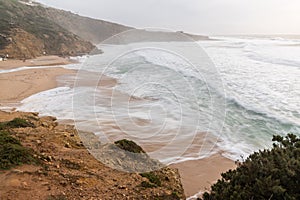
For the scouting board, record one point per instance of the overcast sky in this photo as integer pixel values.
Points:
(213, 17)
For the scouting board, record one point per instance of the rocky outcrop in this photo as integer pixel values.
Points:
(68, 171)
(26, 33)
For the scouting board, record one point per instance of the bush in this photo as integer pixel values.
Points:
(12, 153)
(15, 123)
(267, 174)
(146, 184)
(130, 146)
(152, 178)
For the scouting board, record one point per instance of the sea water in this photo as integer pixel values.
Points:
(245, 90)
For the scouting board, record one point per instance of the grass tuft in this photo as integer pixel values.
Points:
(12, 153)
(152, 178)
(15, 123)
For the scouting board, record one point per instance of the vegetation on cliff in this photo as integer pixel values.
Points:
(267, 174)
(25, 32)
(93, 30)
(130, 146)
(12, 152)
(47, 160)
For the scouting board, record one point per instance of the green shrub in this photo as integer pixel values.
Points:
(12, 153)
(19, 123)
(15, 123)
(146, 184)
(152, 178)
(130, 146)
(267, 174)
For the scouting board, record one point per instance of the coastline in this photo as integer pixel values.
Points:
(198, 175)
(195, 175)
(16, 86)
(39, 61)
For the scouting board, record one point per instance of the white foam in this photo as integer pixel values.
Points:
(262, 94)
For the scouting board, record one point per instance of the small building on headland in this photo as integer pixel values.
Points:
(28, 3)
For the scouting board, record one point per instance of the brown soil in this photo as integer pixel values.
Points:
(68, 171)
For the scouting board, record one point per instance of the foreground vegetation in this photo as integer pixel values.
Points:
(12, 153)
(64, 169)
(267, 174)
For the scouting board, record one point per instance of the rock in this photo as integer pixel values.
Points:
(45, 183)
(67, 145)
(63, 183)
(45, 124)
(122, 187)
(48, 118)
(79, 182)
(17, 171)
(35, 113)
(24, 185)
(49, 158)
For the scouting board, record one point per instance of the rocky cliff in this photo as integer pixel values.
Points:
(28, 30)
(25, 32)
(42, 159)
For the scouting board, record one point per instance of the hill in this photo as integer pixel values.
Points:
(93, 30)
(96, 31)
(26, 33)
(28, 30)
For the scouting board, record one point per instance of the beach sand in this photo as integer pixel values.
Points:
(196, 175)
(199, 175)
(40, 61)
(16, 86)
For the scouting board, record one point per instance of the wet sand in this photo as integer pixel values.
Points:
(198, 175)
(16, 86)
(40, 61)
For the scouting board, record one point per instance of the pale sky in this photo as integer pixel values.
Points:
(212, 17)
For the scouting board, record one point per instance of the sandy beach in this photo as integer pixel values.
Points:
(40, 61)
(16, 86)
(195, 175)
(199, 175)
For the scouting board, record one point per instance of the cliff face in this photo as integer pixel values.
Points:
(28, 30)
(64, 169)
(97, 31)
(92, 30)
(26, 33)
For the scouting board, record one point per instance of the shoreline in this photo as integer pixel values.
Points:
(196, 175)
(16, 86)
(39, 61)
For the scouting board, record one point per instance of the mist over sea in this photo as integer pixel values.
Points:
(181, 113)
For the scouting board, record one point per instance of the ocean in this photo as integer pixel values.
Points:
(184, 100)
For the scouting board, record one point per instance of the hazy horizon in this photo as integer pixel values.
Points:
(216, 17)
